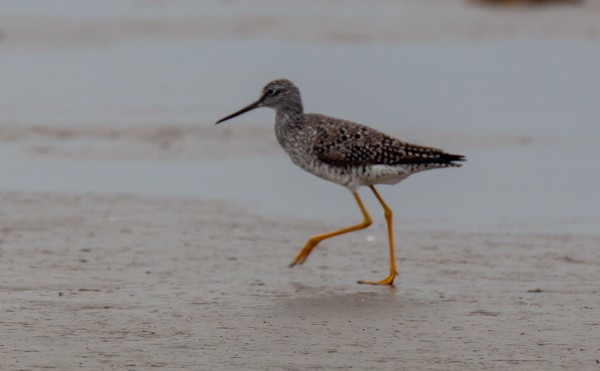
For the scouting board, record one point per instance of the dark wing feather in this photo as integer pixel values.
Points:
(344, 143)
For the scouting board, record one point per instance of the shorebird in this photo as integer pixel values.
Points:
(347, 153)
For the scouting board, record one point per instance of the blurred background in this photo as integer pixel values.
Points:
(122, 96)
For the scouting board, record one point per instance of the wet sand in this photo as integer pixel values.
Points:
(120, 282)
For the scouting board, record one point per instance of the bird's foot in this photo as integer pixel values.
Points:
(389, 280)
(304, 253)
(298, 260)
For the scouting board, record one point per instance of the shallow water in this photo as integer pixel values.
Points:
(530, 89)
(522, 189)
(525, 88)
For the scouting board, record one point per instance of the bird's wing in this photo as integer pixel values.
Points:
(343, 143)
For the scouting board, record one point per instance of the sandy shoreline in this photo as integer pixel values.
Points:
(313, 21)
(96, 282)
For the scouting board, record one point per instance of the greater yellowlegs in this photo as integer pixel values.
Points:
(346, 153)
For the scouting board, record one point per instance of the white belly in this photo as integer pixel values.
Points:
(352, 178)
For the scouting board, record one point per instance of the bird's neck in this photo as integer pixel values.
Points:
(289, 116)
(288, 122)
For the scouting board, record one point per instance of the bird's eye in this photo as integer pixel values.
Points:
(271, 92)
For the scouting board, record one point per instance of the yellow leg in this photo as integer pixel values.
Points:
(387, 212)
(314, 240)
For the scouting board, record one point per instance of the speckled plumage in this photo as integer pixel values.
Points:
(345, 153)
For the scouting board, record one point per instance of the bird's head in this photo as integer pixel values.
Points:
(279, 94)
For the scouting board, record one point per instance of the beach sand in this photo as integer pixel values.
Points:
(121, 282)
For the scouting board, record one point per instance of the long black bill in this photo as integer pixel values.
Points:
(243, 110)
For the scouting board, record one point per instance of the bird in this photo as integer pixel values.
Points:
(350, 154)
